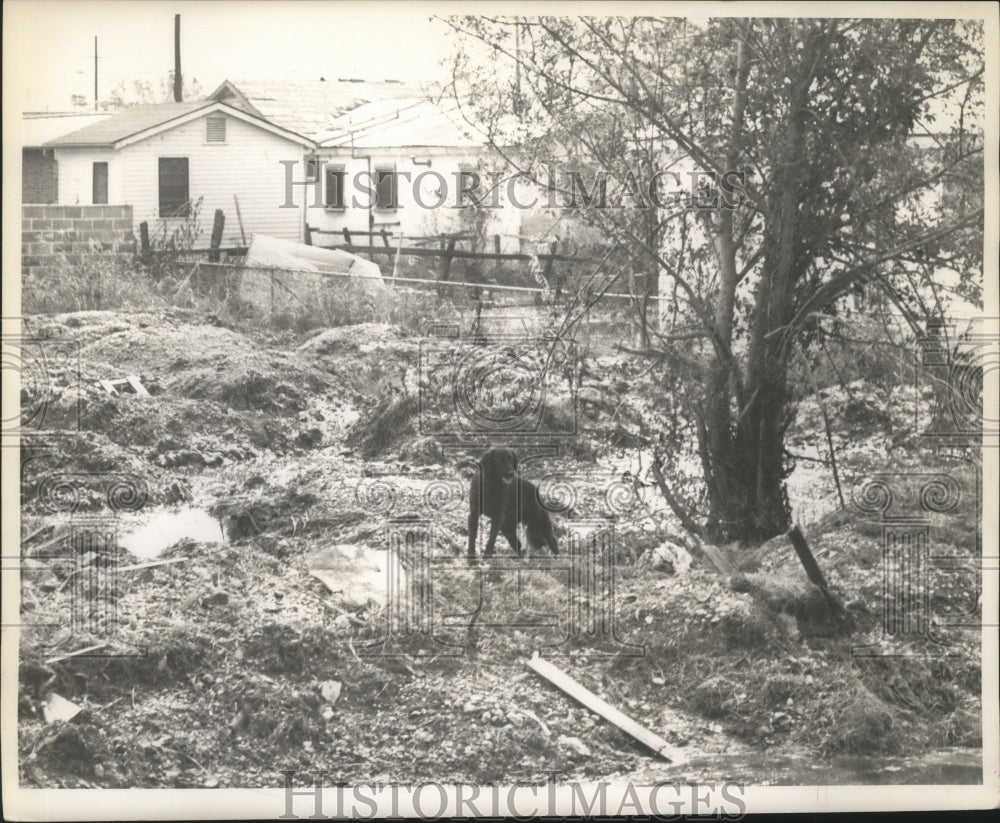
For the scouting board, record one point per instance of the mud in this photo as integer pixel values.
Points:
(251, 567)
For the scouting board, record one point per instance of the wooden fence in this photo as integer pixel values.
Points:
(447, 249)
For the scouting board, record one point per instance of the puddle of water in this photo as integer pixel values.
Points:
(946, 767)
(153, 533)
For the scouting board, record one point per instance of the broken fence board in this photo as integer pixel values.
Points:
(587, 698)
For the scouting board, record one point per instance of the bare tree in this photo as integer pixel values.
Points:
(812, 188)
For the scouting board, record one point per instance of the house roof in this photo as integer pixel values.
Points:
(138, 122)
(308, 107)
(413, 122)
(131, 121)
(41, 127)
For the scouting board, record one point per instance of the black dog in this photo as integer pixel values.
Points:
(507, 499)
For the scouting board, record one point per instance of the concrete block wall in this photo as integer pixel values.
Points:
(54, 236)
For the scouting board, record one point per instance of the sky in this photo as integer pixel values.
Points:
(53, 43)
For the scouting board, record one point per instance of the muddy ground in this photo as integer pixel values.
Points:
(246, 654)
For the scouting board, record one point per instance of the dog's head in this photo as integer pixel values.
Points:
(499, 464)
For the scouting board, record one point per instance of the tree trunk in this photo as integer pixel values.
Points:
(744, 458)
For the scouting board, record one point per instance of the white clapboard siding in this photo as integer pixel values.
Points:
(247, 164)
(419, 215)
(76, 176)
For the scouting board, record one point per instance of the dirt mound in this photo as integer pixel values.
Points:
(87, 471)
(206, 362)
(236, 656)
(351, 339)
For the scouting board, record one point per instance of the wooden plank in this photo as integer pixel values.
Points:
(136, 384)
(587, 698)
(449, 254)
(144, 239)
(239, 218)
(815, 576)
(108, 386)
(547, 271)
(218, 224)
(187, 252)
(809, 563)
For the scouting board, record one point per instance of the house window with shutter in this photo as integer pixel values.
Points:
(385, 189)
(215, 129)
(174, 197)
(334, 194)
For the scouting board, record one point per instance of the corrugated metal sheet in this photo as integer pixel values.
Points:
(308, 108)
(414, 122)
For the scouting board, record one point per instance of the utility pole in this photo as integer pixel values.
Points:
(95, 72)
(178, 82)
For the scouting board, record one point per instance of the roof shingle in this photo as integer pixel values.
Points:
(131, 121)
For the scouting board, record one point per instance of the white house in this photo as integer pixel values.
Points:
(359, 155)
(39, 178)
(410, 166)
(386, 157)
(162, 159)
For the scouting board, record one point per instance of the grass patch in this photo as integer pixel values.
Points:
(392, 420)
(858, 722)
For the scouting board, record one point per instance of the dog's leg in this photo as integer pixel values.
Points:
(474, 494)
(492, 540)
(510, 532)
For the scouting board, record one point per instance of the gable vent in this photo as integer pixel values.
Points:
(215, 129)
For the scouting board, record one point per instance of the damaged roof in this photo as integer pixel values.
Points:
(413, 122)
(308, 108)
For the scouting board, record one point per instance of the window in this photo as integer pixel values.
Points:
(174, 198)
(385, 189)
(215, 129)
(312, 168)
(100, 183)
(335, 178)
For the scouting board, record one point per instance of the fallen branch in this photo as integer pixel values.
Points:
(587, 698)
(815, 576)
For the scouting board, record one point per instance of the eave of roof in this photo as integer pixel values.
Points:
(141, 122)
